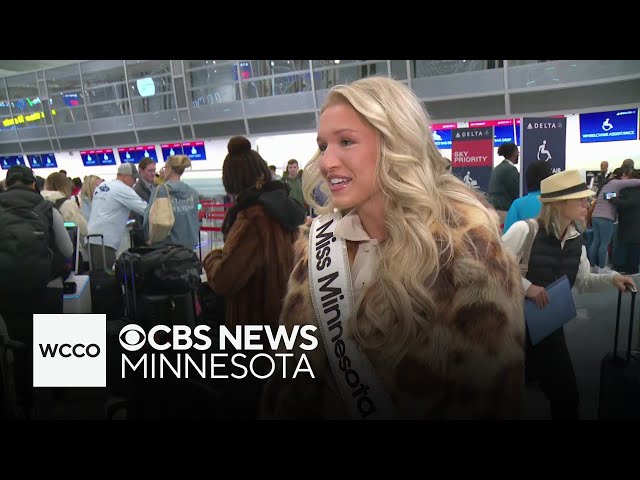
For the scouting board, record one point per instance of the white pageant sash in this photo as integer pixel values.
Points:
(332, 297)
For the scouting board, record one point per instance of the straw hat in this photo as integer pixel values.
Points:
(565, 185)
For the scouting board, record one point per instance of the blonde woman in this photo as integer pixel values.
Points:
(57, 191)
(184, 200)
(437, 300)
(86, 194)
(558, 250)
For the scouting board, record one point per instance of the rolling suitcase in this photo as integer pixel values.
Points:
(148, 308)
(106, 292)
(620, 377)
(8, 394)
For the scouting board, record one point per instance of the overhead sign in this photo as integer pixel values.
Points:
(42, 160)
(609, 126)
(11, 160)
(89, 158)
(169, 149)
(503, 130)
(472, 156)
(544, 139)
(106, 156)
(442, 134)
(194, 150)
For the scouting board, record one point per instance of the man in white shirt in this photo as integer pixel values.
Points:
(112, 203)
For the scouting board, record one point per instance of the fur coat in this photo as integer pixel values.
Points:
(468, 363)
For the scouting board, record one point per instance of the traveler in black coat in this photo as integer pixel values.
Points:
(628, 205)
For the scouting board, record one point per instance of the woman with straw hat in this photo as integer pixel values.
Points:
(558, 250)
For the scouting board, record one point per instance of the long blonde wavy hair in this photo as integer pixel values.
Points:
(88, 186)
(420, 198)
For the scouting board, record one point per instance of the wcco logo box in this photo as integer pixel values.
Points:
(69, 350)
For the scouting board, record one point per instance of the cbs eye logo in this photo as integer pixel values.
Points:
(132, 337)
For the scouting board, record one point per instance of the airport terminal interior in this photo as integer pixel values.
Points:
(89, 118)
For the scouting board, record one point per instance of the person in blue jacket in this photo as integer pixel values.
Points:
(529, 205)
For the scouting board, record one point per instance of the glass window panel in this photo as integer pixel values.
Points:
(106, 93)
(156, 103)
(104, 82)
(432, 68)
(191, 64)
(63, 79)
(147, 68)
(102, 72)
(69, 115)
(516, 63)
(281, 85)
(215, 73)
(113, 109)
(332, 63)
(217, 83)
(64, 87)
(287, 66)
(25, 100)
(264, 68)
(3, 90)
(340, 74)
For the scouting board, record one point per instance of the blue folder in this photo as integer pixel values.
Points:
(543, 322)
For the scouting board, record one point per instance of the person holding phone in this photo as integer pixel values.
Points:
(604, 216)
(628, 205)
(558, 250)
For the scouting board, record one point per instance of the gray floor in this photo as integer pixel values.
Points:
(589, 338)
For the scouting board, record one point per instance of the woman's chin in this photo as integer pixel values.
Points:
(342, 203)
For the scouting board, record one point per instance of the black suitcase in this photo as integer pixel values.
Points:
(620, 377)
(8, 393)
(149, 309)
(106, 292)
(165, 309)
(155, 398)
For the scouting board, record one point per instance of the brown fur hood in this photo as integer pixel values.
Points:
(467, 364)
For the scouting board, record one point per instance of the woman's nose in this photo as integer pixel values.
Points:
(328, 160)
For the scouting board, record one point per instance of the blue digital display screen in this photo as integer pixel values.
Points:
(11, 160)
(194, 150)
(35, 161)
(49, 160)
(106, 157)
(128, 155)
(442, 138)
(609, 126)
(89, 158)
(169, 149)
(42, 160)
(502, 134)
(148, 151)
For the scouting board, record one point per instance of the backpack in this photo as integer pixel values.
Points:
(61, 266)
(26, 257)
(58, 203)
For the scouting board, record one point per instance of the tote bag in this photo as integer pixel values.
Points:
(161, 217)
